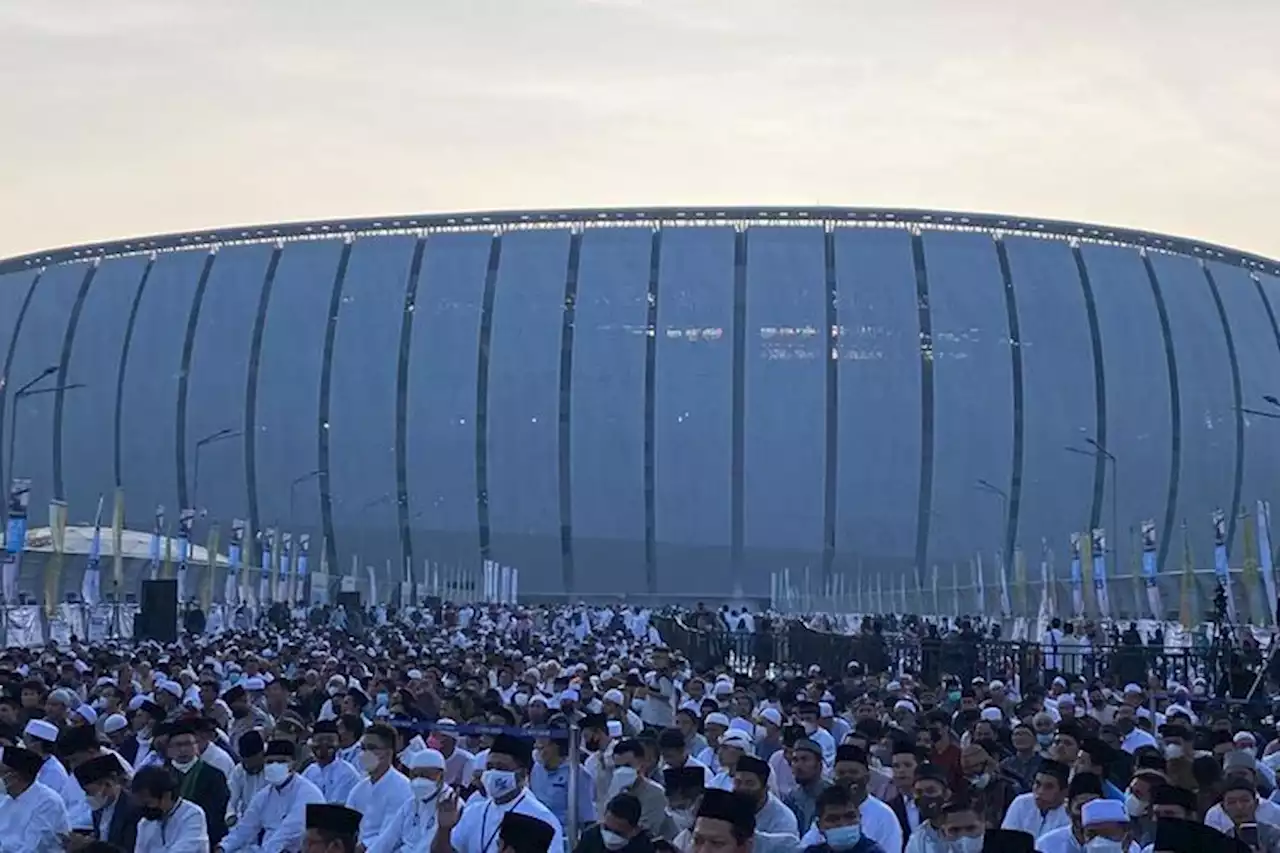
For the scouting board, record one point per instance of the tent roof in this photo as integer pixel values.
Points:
(136, 544)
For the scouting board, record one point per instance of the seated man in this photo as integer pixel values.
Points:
(839, 822)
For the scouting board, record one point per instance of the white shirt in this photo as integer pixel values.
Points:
(216, 756)
(1060, 840)
(242, 786)
(378, 801)
(1268, 812)
(335, 781)
(775, 817)
(722, 780)
(1135, 740)
(279, 814)
(411, 829)
(182, 831)
(1025, 815)
(456, 765)
(54, 776)
(33, 821)
(477, 830)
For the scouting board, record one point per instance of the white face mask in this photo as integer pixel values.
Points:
(612, 840)
(499, 784)
(1133, 805)
(1099, 844)
(967, 844)
(184, 766)
(1173, 750)
(275, 773)
(424, 789)
(96, 803)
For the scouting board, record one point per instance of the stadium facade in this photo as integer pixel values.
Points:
(653, 401)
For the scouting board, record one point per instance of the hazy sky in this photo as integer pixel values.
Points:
(126, 117)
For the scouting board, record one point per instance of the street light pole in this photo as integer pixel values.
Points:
(23, 393)
(221, 434)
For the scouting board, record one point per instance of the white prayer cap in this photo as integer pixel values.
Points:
(825, 711)
(904, 705)
(736, 738)
(715, 718)
(136, 702)
(771, 715)
(723, 688)
(114, 723)
(173, 688)
(426, 759)
(1103, 811)
(1131, 688)
(254, 683)
(87, 714)
(992, 715)
(614, 727)
(615, 696)
(41, 729)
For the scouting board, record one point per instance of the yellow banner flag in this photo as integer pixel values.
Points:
(211, 566)
(1186, 611)
(1250, 580)
(117, 543)
(53, 568)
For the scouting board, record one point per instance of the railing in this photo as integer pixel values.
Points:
(792, 644)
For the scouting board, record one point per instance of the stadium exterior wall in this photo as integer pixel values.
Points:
(654, 401)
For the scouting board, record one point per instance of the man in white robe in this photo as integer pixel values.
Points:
(276, 818)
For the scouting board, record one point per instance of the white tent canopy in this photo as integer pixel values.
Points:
(136, 544)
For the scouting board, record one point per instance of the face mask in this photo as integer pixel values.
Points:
(150, 813)
(843, 837)
(424, 789)
(612, 840)
(96, 803)
(370, 761)
(184, 766)
(1134, 806)
(980, 781)
(967, 844)
(953, 696)
(682, 818)
(1045, 739)
(1173, 750)
(498, 784)
(1103, 845)
(275, 773)
(382, 700)
(239, 713)
(623, 778)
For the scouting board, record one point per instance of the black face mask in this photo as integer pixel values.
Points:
(930, 807)
(151, 812)
(239, 713)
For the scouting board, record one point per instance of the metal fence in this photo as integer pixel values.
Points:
(791, 644)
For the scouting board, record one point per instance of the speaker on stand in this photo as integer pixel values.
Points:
(159, 617)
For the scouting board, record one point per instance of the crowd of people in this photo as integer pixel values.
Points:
(505, 729)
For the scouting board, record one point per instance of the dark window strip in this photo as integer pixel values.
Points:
(1175, 415)
(1237, 485)
(251, 396)
(482, 394)
(924, 505)
(184, 371)
(8, 372)
(566, 413)
(650, 395)
(1019, 399)
(831, 461)
(1099, 393)
(326, 389)
(64, 363)
(403, 367)
(738, 418)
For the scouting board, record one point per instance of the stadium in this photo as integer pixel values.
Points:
(653, 402)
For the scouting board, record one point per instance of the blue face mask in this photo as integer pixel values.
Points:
(1044, 738)
(382, 700)
(954, 696)
(843, 837)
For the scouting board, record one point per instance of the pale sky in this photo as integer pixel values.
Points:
(129, 117)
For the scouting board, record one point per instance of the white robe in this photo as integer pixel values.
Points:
(276, 814)
(182, 831)
(335, 781)
(411, 829)
(1024, 815)
(33, 821)
(378, 802)
(477, 830)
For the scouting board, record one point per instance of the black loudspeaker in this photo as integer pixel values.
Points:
(349, 600)
(159, 617)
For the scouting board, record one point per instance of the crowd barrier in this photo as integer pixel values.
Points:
(775, 646)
